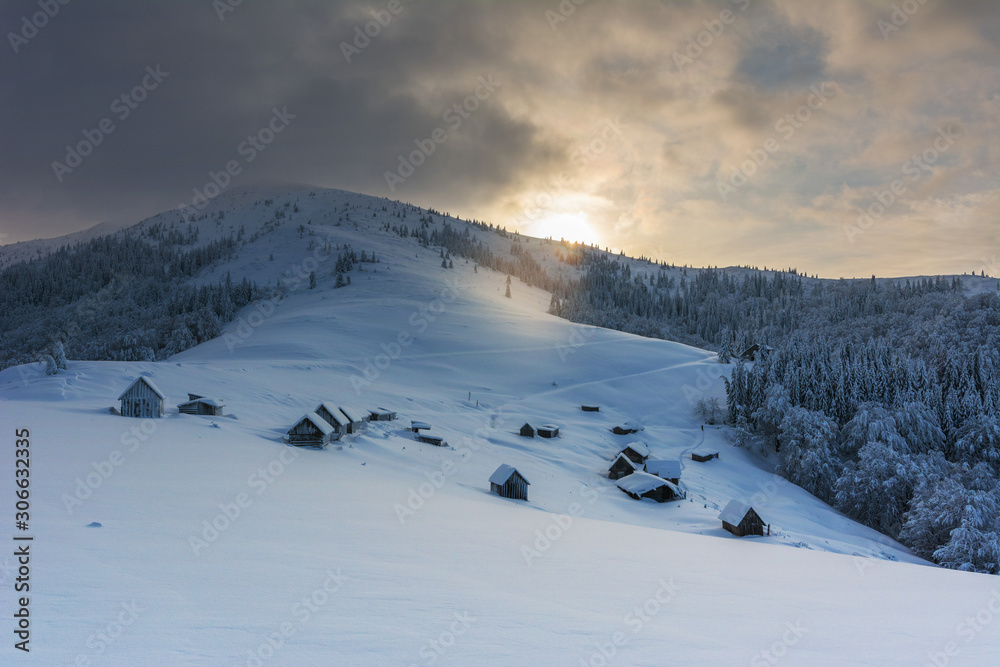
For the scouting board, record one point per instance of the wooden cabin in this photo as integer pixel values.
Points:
(621, 467)
(547, 431)
(637, 452)
(332, 415)
(590, 408)
(704, 455)
(665, 469)
(626, 429)
(354, 419)
(640, 485)
(741, 520)
(528, 431)
(750, 354)
(142, 399)
(435, 440)
(310, 431)
(381, 415)
(417, 427)
(199, 405)
(507, 482)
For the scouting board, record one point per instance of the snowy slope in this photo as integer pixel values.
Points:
(383, 551)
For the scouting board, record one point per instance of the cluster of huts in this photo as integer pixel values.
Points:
(329, 422)
(642, 477)
(635, 472)
(144, 400)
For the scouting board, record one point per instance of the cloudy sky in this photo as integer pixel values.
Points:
(842, 138)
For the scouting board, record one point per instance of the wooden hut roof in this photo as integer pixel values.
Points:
(352, 413)
(627, 460)
(334, 411)
(735, 511)
(642, 482)
(638, 447)
(417, 424)
(664, 468)
(503, 473)
(318, 422)
(207, 401)
(149, 383)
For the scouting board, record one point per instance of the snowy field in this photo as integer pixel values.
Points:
(219, 545)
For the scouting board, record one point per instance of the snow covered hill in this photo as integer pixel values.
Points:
(220, 545)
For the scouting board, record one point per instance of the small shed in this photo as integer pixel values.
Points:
(381, 415)
(355, 419)
(435, 440)
(528, 430)
(590, 408)
(548, 431)
(310, 431)
(626, 429)
(621, 467)
(665, 469)
(750, 353)
(741, 520)
(333, 416)
(199, 405)
(142, 399)
(507, 482)
(636, 451)
(704, 455)
(640, 485)
(417, 427)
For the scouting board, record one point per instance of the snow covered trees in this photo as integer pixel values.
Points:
(806, 458)
(876, 487)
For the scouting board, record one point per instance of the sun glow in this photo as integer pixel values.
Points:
(572, 227)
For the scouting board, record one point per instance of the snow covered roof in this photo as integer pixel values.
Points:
(735, 511)
(503, 473)
(334, 411)
(635, 426)
(318, 422)
(642, 482)
(549, 427)
(149, 383)
(352, 413)
(664, 468)
(638, 447)
(415, 424)
(207, 401)
(622, 457)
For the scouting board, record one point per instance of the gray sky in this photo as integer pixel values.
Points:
(710, 133)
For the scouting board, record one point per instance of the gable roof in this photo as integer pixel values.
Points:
(638, 447)
(418, 424)
(317, 421)
(642, 482)
(735, 511)
(664, 468)
(334, 411)
(503, 473)
(351, 413)
(149, 383)
(622, 457)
